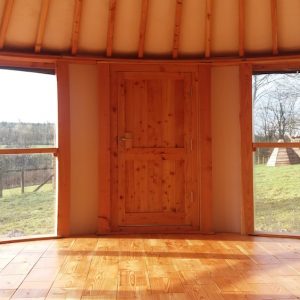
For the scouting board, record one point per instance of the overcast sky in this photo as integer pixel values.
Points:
(27, 97)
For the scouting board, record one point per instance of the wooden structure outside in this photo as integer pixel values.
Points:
(19, 179)
(284, 157)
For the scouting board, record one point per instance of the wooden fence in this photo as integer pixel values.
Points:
(25, 177)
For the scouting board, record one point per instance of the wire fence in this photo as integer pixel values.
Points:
(22, 178)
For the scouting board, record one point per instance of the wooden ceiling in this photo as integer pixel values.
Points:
(169, 29)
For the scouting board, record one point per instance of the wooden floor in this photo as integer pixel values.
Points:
(152, 267)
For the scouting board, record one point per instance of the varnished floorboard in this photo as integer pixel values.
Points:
(152, 267)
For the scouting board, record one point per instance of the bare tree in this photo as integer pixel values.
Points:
(260, 86)
(276, 102)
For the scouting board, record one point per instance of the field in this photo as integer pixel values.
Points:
(31, 213)
(277, 205)
(277, 198)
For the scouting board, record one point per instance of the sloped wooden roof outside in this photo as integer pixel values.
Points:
(151, 28)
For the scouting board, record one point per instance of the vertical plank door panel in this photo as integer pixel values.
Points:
(154, 185)
(153, 151)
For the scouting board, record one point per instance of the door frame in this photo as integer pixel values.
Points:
(108, 141)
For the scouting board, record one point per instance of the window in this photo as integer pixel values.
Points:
(28, 150)
(276, 159)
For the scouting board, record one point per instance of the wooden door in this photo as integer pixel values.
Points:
(156, 184)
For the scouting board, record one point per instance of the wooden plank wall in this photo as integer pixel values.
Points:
(247, 226)
(64, 164)
(104, 155)
(206, 209)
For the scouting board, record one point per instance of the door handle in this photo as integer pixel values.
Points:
(124, 139)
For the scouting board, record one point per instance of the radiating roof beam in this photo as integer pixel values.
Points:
(274, 27)
(241, 28)
(143, 26)
(208, 15)
(42, 26)
(5, 21)
(177, 28)
(110, 27)
(76, 26)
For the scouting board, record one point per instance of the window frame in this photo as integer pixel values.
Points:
(248, 146)
(62, 149)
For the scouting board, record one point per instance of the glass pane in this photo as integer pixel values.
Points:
(27, 195)
(28, 114)
(277, 190)
(276, 107)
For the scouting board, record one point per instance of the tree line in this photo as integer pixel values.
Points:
(24, 135)
(276, 107)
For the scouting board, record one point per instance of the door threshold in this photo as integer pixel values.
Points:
(29, 238)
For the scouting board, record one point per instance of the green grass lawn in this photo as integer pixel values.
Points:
(31, 213)
(277, 198)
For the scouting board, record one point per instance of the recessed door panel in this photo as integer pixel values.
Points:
(155, 154)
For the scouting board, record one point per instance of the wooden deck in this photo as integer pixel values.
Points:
(152, 267)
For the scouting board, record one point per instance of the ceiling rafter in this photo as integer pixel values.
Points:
(41, 26)
(177, 28)
(274, 27)
(76, 26)
(241, 28)
(110, 27)
(5, 21)
(208, 14)
(143, 26)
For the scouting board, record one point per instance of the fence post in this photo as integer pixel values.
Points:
(54, 173)
(22, 181)
(1, 184)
